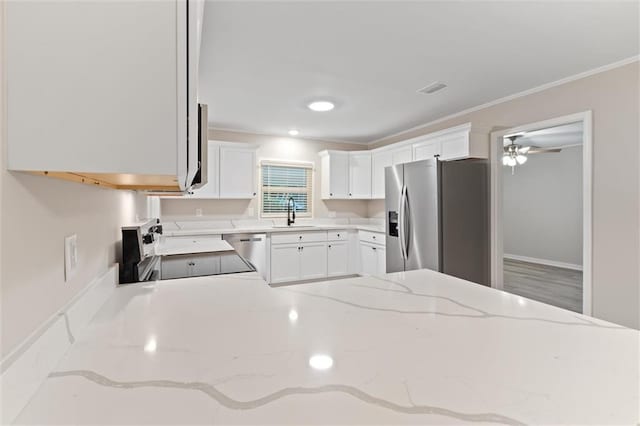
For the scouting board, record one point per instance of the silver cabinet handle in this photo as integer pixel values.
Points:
(374, 248)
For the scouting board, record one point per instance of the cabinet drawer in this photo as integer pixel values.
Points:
(372, 237)
(298, 237)
(340, 235)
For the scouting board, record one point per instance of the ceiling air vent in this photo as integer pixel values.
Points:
(432, 88)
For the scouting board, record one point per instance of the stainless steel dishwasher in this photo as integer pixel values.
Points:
(252, 248)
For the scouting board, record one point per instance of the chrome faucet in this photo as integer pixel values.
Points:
(291, 211)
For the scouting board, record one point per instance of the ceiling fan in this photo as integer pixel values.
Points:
(515, 154)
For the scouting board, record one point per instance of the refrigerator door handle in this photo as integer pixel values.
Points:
(401, 223)
(406, 227)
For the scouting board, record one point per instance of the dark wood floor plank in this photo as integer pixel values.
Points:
(548, 284)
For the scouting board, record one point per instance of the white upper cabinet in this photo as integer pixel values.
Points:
(402, 155)
(384, 158)
(104, 91)
(212, 188)
(345, 175)
(335, 174)
(232, 172)
(379, 160)
(427, 149)
(360, 175)
(237, 171)
(455, 143)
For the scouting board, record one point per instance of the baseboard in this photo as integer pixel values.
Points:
(25, 368)
(543, 262)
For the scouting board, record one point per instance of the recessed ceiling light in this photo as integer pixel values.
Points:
(321, 106)
(321, 362)
(293, 132)
(293, 315)
(151, 345)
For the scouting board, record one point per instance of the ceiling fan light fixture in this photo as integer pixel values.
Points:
(511, 162)
(521, 159)
(505, 159)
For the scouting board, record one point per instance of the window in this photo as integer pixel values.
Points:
(283, 180)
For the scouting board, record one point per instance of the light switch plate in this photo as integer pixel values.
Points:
(70, 256)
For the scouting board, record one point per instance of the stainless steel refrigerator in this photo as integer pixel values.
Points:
(437, 217)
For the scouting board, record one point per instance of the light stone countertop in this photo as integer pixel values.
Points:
(168, 247)
(268, 229)
(406, 348)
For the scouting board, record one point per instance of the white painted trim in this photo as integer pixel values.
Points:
(527, 92)
(497, 249)
(26, 367)
(546, 262)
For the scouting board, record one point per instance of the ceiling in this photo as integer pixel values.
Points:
(552, 137)
(262, 62)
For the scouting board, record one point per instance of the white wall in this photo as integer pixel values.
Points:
(36, 214)
(613, 97)
(542, 207)
(270, 147)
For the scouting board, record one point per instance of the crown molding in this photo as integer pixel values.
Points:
(517, 95)
(245, 132)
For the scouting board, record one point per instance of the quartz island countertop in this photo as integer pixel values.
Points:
(406, 348)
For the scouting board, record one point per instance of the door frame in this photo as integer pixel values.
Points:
(495, 155)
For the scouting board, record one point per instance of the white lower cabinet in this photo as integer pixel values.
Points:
(337, 258)
(296, 262)
(189, 265)
(311, 255)
(285, 263)
(313, 261)
(373, 259)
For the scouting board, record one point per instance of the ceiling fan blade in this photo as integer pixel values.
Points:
(543, 150)
(524, 149)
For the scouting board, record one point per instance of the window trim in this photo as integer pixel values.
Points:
(286, 163)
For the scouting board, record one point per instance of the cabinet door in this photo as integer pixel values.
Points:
(402, 155)
(237, 172)
(455, 146)
(381, 261)
(337, 258)
(212, 188)
(368, 259)
(204, 264)
(360, 175)
(285, 263)
(313, 261)
(338, 175)
(426, 150)
(177, 266)
(379, 160)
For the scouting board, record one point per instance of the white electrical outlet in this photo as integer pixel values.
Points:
(70, 256)
(198, 212)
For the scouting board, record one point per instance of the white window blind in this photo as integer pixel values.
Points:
(281, 181)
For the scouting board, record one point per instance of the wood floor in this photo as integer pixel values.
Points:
(548, 284)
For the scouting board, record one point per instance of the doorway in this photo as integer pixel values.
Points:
(541, 211)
